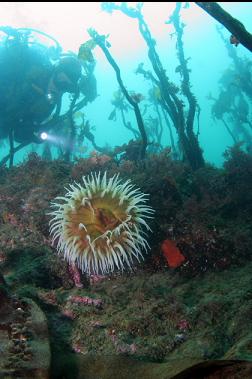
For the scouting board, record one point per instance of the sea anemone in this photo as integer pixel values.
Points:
(99, 225)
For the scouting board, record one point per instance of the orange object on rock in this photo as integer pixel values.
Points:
(172, 253)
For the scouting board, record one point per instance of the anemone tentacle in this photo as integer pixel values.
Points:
(101, 224)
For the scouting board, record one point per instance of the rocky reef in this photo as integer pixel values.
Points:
(167, 314)
(24, 339)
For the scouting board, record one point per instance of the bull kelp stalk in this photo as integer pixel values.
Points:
(173, 105)
(158, 100)
(128, 125)
(90, 136)
(230, 48)
(12, 152)
(242, 67)
(235, 91)
(175, 152)
(160, 132)
(100, 41)
(185, 83)
(157, 103)
(72, 134)
(232, 24)
(121, 106)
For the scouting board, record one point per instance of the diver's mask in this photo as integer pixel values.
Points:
(64, 84)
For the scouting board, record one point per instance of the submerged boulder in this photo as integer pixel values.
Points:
(24, 339)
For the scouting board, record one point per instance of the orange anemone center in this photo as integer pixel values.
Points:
(99, 215)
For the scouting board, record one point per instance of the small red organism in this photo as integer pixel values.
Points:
(172, 254)
(183, 325)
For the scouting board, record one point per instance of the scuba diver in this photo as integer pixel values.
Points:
(33, 79)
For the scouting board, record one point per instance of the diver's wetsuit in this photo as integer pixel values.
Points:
(25, 72)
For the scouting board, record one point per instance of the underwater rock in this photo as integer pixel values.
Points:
(217, 369)
(24, 342)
